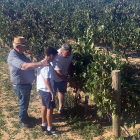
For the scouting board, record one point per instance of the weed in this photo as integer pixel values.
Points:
(34, 135)
(40, 134)
(14, 96)
(133, 131)
(114, 138)
(15, 124)
(1, 115)
(34, 86)
(135, 138)
(0, 75)
(121, 138)
(108, 138)
(69, 101)
(1, 134)
(2, 123)
(138, 132)
(35, 128)
(33, 97)
(84, 127)
(7, 85)
(76, 120)
(9, 108)
(13, 115)
(30, 115)
(15, 132)
(53, 138)
(109, 128)
(3, 54)
(26, 135)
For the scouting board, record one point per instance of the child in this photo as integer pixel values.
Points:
(45, 88)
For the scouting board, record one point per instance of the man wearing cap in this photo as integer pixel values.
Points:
(62, 64)
(22, 75)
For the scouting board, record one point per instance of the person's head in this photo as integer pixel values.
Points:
(50, 53)
(19, 44)
(66, 50)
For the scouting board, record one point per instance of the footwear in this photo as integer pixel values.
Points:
(52, 132)
(43, 128)
(24, 124)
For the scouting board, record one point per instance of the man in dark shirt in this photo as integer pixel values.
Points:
(22, 75)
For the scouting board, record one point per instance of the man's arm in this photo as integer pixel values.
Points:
(33, 65)
(48, 85)
(64, 78)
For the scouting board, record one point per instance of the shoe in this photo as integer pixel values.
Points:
(24, 124)
(43, 128)
(52, 132)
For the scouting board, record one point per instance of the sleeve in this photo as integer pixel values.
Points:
(17, 62)
(57, 65)
(47, 72)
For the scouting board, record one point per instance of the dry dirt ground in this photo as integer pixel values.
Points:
(9, 128)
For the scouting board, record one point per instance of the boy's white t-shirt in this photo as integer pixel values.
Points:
(42, 73)
(61, 63)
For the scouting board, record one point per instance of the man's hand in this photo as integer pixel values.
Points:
(64, 78)
(45, 62)
(74, 85)
(33, 65)
(53, 98)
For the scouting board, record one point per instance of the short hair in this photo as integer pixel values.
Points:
(50, 50)
(67, 47)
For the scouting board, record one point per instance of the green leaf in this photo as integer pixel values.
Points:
(99, 113)
(92, 45)
(84, 75)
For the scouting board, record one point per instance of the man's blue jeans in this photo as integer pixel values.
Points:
(23, 93)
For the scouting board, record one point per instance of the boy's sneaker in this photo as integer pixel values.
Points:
(52, 132)
(43, 128)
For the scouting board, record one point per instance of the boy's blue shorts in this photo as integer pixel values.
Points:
(60, 87)
(46, 99)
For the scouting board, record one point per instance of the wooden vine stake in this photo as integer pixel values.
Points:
(116, 86)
